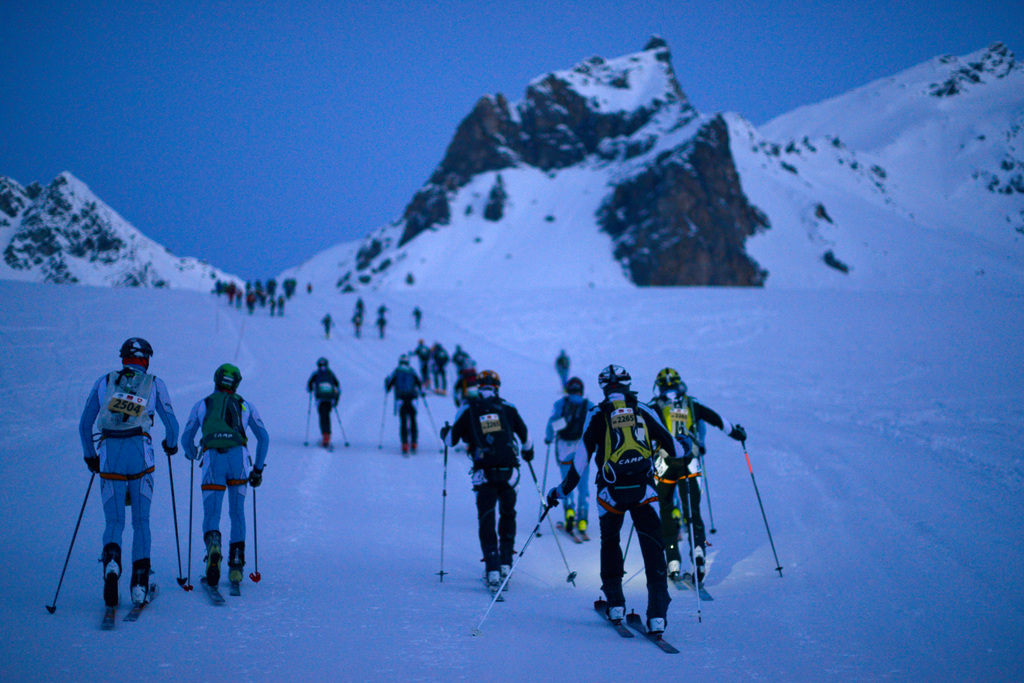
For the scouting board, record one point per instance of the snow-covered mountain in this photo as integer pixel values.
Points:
(605, 175)
(63, 233)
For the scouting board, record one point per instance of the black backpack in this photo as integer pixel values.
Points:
(493, 439)
(575, 415)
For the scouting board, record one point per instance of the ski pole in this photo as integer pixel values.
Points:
(255, 575)
(444, 504)
(572, 575)
(778, 566)
(343, 436)
(309, 411)
(547, 458)
(53, 608)
(477, 631)
(383, 413)
(174, 510)
(429, 416)
(191, 491)
(629, 539)
(707, 487)
(693, 557)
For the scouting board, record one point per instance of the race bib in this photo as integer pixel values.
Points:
(127, 404)
(490, 423)
(623, 418)
(678, 416)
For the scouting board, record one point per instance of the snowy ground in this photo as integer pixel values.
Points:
(885, 434)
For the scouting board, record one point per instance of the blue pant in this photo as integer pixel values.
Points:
(129, 458)
(565, 449)
(225, 473)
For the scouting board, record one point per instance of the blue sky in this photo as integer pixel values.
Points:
(256, 134)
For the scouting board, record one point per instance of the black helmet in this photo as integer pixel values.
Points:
(614, 378)
(227, 377)
(574, 386)
(136, 347)
(321, 362)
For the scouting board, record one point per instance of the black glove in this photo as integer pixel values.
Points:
(554, 495)
(93, 464)
(547, 442)
(528, 455)
(738, 433)
(169, 450)
(255, 477)
(444, 432)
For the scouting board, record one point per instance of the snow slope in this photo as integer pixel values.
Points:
(885, 435)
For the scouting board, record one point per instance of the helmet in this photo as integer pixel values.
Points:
(668, 380)
(403, 359)
(227, 377)
(488, 378)
(136, 347)
(321, 362)
(614, 378)
(574, 386)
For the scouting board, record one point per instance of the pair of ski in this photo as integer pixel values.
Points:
(494, 590)
(575, 534)
(686, 582)
(633, 621)
(110, 613)
(216, 597)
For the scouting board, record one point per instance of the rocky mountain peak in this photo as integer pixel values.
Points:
(994, 62)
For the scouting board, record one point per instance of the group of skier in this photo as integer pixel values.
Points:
(115, 431)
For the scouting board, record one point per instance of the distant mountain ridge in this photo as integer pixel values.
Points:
(63, 233)
(605, 175)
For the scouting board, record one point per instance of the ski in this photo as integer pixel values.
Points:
(216, 597)
(685, 582)
(633, 619)
(583, 535)
(109, 618)
(136, 610)
(571, 534)
(494, 589)
(601, 607)
(235, 588)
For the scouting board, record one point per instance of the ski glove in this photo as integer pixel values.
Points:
(528, 455)
(554, 495)
(169, 450)
(738, 433)
(255, 477)
(444, 433)
(547, 442)
(93, 464)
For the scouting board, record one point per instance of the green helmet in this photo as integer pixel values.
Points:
(227, 377)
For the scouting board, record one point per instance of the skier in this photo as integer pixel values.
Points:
(461, 359)
(417, 314)
(494, 435)
(223, 417)
(465, 386)
(280, 306)
(562, 367)
(623, 435)
(326, 322)
(407, 388)
(360, 306)
(357, 321)
(326, 389)
(124, 402)
(440, 357)
(381, 320)
(422, 351)
(684, 417)
(565, 429)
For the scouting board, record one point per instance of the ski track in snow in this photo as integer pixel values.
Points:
(884, 436)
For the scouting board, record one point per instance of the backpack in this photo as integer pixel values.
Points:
(575, 415)
(440, 356)
(628, 451)
(127, 412)
(325, 386)
(494, 449)
(224, 424)
(405, 383)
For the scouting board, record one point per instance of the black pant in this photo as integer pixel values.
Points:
(407, 421)
(648, 533)
(498, 548)
(689, 496)
(323, 408)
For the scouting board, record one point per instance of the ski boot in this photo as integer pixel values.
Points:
(656, 626)
(412, 446)
(111, 572)
(405, 448)
(326, 440)
(673, 569)
(616, 614)
(570, 519)
(698, 561)
(140, 581)
(236, 561)
(213, 555)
